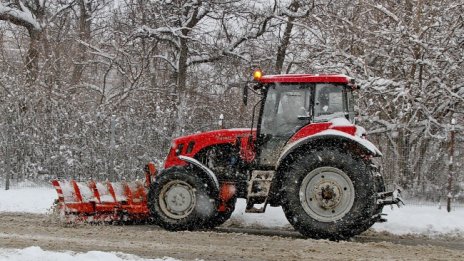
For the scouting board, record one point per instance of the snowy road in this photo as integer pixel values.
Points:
(19, 230)
(411, 233)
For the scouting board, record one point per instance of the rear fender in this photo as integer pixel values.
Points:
(330, 138)
(205, 173)
(325, 139)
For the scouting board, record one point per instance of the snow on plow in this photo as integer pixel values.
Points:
(104, 201)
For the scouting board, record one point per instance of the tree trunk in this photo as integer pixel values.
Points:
(32, 58)
(281, 51)
(421, 154)
(280, 59)
(84, 36)
(404, 148)
(181, 86)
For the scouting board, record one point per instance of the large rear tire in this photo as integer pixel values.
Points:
(180, 200)
(329, 194)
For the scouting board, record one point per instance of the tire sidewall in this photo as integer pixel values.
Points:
(205, 205)
(355, 220)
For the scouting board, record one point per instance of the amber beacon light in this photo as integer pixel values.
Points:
(257, 74)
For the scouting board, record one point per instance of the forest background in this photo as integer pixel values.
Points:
(97, 88)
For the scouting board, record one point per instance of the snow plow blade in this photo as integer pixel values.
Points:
(104, 201)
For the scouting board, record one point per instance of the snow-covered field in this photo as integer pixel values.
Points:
(428, 221)
(29, 200)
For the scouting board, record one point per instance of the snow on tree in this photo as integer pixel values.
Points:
(169, 67)
(27, 14)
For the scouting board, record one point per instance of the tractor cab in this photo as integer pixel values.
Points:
(291, 102)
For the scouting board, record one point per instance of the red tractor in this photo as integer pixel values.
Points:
(306, 155)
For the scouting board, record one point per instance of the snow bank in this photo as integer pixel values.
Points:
(36, 253)
(273, 217)
(424, 220)
(31, 200)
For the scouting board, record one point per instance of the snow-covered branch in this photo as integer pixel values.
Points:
(231, 47)
(170, 35)
(19, 15)
(384, 10)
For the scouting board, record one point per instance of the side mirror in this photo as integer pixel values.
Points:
(245, 95)
(353, 85)
(304, 117)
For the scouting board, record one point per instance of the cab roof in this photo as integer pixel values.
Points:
(311, 78)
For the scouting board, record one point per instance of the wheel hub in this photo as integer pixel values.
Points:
(327, 194)
(177, 199)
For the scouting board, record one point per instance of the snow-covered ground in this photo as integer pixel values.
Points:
(30, 200)
(424, 220)
(36, 253)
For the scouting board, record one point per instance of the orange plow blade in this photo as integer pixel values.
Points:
(102, 201)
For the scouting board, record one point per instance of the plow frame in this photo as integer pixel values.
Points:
(107, 201)
(104, 204)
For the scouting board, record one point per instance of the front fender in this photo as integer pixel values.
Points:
(328, 136)
(209, 173)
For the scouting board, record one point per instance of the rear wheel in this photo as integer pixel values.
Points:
(329, 194)
(179, 200)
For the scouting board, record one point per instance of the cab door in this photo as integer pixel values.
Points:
(286, 109)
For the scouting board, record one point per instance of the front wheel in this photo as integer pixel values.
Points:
(220, 218)
(329, 194)
(180, 200)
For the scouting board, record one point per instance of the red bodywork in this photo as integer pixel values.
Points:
(315, 128)
(204, 140)
(296, 78)
(210, 138)
(231, 136)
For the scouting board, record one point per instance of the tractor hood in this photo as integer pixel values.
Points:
(216, 136)
(190, 145)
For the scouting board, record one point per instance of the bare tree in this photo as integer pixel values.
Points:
(30, 15)
(185, 27)
(296, 9)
